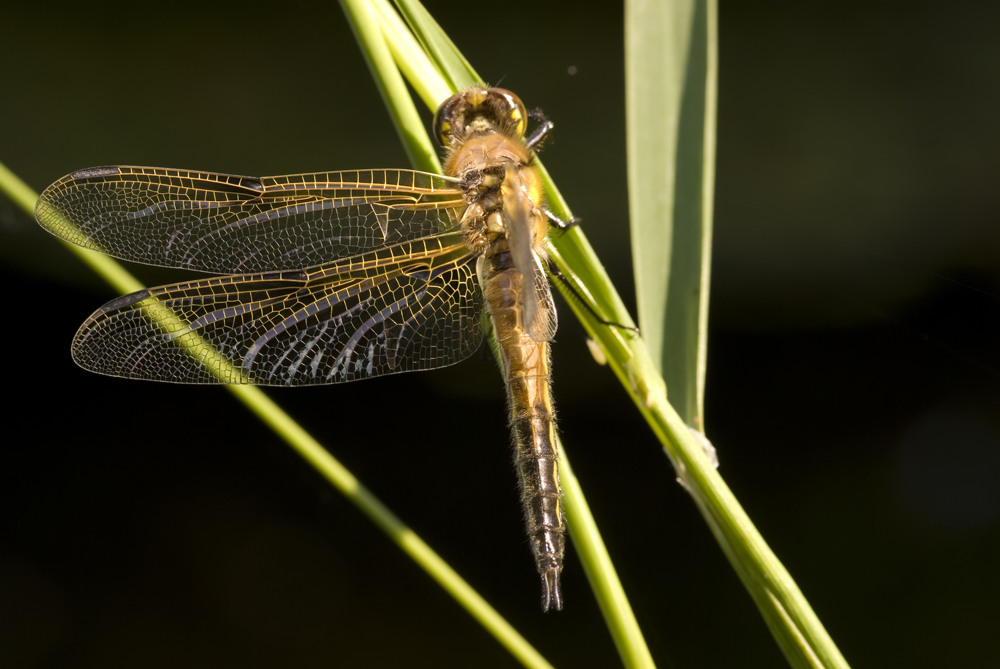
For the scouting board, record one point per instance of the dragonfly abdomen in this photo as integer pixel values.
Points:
(504, 221)
(536, 459)
(532, 418)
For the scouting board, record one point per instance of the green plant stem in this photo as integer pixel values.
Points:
(795, 626)
(601, 574)
(671, 66)
(403, 536)
(367, 30)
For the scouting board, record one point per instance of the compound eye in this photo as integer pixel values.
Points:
(510, 108)
(444, 118)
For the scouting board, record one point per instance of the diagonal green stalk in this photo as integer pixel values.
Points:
(367, 27)
(671, 66)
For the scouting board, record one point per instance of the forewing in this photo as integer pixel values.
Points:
(231, 224)
(410, 306)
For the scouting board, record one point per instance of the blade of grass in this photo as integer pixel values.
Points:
(601, 574)
(412, 60)
(670, 125)
(452, 65)
(671, 67)
(409, 126)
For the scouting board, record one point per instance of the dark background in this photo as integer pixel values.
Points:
(853, 381)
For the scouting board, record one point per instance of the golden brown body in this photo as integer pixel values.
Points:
(526, 372)
(504, 220)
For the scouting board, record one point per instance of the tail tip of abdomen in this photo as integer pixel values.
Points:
(551, 590)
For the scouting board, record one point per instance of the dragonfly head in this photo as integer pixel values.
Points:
(478, 110)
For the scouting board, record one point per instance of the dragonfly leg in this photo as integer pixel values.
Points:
(557, 274)
(538, 135)
(560, 224)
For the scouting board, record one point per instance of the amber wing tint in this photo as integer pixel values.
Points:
(334, 276)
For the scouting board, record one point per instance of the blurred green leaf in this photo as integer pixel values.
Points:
(670, 93)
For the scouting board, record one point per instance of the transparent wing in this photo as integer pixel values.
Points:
(538, 311)
(410, 306)
(229, 224)
(543, 326)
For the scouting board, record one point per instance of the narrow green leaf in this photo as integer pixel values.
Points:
(670, 102)
(442, 51)
(410, 127)
(670, 98)
(419, 70)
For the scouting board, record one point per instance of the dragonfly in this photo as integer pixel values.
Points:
(334, 277)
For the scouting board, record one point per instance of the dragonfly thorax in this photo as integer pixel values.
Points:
(482, 161)
(502, 190)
